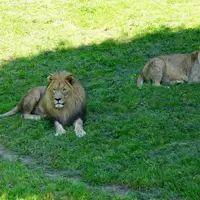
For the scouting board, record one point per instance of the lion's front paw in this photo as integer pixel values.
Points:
(80, 132)
(60, 132)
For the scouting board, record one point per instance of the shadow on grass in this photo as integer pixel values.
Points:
(111, 62)
(123, 124)
(99, 61)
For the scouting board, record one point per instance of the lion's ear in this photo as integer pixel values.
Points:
(70, 79)
(195, 55)
(49, 78)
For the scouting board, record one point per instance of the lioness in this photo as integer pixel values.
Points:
(172, 68)
(63, 99)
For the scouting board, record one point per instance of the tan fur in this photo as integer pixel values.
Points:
(64, 100)
(172, 68)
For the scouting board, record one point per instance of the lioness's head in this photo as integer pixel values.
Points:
(59, 87)
(195, 72)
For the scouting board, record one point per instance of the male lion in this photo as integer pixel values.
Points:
(63, 99)
(172, 68)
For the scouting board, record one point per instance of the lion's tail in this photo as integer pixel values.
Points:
(11, 112)
(140, 81)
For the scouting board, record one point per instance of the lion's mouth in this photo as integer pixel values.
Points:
(58, 102)
(59, 105)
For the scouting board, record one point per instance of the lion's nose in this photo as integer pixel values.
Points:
(58, 99)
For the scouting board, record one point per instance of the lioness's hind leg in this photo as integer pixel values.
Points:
(156, 83)
(156, 71)
(59, 129)
(78, 128)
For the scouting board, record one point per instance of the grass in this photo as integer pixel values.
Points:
(20, 183)
(147, 140)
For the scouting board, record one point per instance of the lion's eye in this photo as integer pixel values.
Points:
(54, 90)
(64, 89)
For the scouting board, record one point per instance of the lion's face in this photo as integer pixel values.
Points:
(59, 93)
(59, 88)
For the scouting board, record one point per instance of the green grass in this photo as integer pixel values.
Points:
(147, 140)
(19, 183)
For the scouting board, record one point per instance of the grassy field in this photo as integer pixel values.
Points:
(140, 144)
